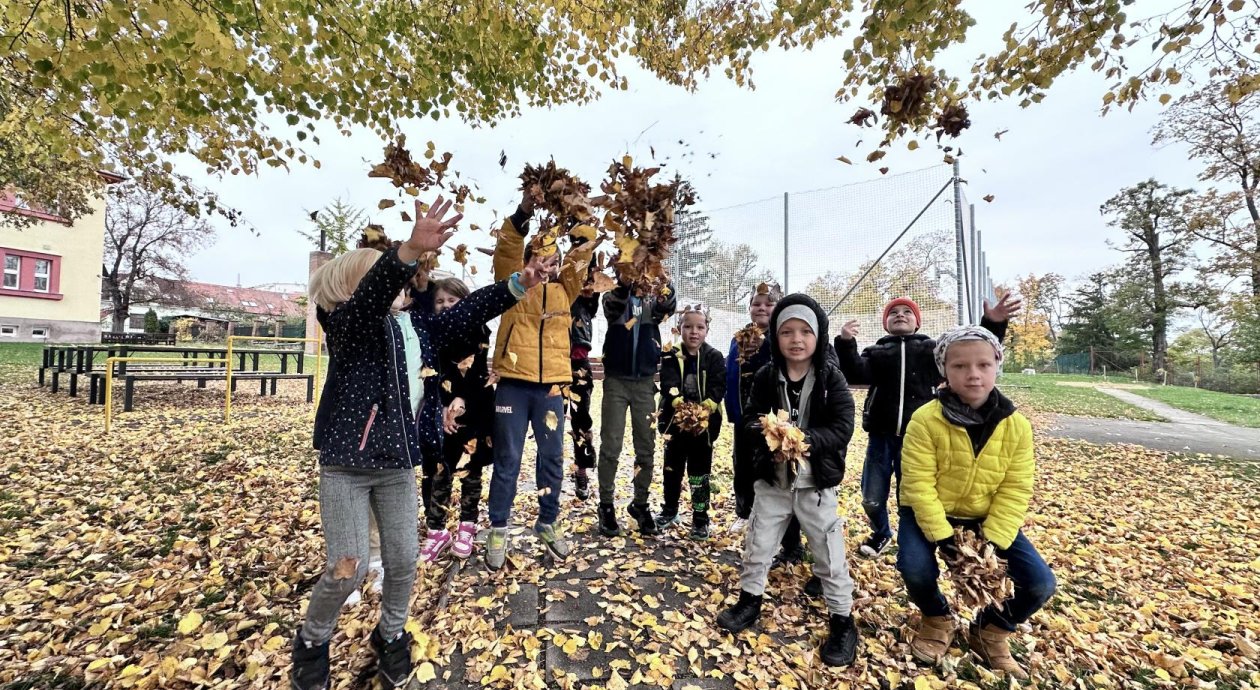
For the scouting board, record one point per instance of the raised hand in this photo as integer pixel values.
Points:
(454, 410)
(539, 269)
(1007, 307)
(850, 330)
(430, 231)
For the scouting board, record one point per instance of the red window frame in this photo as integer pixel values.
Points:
(26, 274)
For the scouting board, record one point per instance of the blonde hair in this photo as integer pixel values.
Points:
(453, 287)
(335, 281)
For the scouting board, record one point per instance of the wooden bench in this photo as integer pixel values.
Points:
(96, 393)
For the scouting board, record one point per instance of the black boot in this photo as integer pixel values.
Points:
(699, 506)
(393, 659)
(743, 614)
(608, 520)
(310, 666)
(581, 485)
(699, 525)
(840, 649)
(643, 515)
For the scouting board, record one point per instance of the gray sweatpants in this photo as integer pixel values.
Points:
(772, 509)
(639, 397)
(347, 498)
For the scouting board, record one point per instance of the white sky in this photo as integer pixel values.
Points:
(1059, 161)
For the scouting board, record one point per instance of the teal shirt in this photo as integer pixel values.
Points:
(414, 360)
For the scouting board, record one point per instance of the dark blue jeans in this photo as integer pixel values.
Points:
(519, 405)
(916, 559)
(883, 462)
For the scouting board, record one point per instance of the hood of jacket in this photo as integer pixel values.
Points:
(820, 350)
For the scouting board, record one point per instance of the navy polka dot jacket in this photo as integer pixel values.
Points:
(364, 418)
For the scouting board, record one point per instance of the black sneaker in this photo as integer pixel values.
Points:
(666, 520)
(643, 515)
(874, 546)
(840, 649)
(581, 485)
(699, 526)
(742, 615)
(813, 587)
(608, 520)
(393, 659)
(310, 665)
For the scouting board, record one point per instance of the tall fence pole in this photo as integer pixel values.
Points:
(958, 243)
(978, 270)
(974, 269)
(785, 243)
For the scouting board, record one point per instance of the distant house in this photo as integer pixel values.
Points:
(51, 285)
(213, 306)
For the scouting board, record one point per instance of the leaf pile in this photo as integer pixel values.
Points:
(748, 342)
(785, 440)
(563, 199)
(978, 574)
(691, 417)
(641, 216)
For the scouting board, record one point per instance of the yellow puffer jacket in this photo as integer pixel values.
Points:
(533, 337)
(941, 475)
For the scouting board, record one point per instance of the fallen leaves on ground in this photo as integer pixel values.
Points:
(178, 553)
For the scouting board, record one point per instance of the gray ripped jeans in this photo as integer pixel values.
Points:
(347, 498)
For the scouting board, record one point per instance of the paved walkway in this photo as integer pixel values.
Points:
(1184, 432)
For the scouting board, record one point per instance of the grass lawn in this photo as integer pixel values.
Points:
(1045, 393)
(1225, 407)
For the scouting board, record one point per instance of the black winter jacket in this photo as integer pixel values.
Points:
(830, 424)
(902, 375)
(364, 417)
(582, 330)
(634, 352)
(471, 384)
(709, 368)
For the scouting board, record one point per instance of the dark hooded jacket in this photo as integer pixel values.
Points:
(902, 375)
(830, 419)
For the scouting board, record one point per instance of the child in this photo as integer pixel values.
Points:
(968, 462)
(802, 381)
(368, 435)
(902, 376)
(694, 372)
(739, 378)
(581, 335)
(531, 356)
(469, 401)
(632, 353)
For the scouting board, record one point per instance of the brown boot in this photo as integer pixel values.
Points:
(932, 640)
(992, 645)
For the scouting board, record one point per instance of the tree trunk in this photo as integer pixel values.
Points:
(1159, 324)
(1255, 254)
(121, 307)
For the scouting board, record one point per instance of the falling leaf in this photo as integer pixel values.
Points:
(385, 203)
(545, 491)
(555, 390)
(631, 321)
(673, 391)
(845, 160)
(446, 386)
(998, 135)
(503, 159)
(512, 357)
(552, 421)
(426, 372)
(425, 672)
(345, 568)
(461, 254)
(876, 155)
(988, 197)
(406, 217)
(471, 446)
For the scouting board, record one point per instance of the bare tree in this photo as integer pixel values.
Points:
(736, 272)
(1222, 130)
(1218, 328)
(145, 238)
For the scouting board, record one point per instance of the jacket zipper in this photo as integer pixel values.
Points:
(507, 340)
(402, 418)
(542, 326)
(368, 428)
(901, 397)
(634, 337)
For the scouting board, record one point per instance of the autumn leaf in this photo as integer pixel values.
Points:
(551, 420)
(426, 372)
(845, 160)
(988, 197)
(631, 321)
(385, 203)
(190, 622)
(465, 364)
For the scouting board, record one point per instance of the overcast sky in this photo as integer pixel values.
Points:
(1048, 174)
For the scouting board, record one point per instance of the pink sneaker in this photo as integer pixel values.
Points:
(464, 536)
(434, 545)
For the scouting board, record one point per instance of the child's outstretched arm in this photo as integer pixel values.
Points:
(997, 317)
(1009, 506)
(615, 301)
(856, 368)
(664, 304)
(509, 250)
(918, 481)
(377, 290)
(573, 270)
(462, 322)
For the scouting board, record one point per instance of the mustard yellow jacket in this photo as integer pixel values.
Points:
(532, 343)
(941, 475)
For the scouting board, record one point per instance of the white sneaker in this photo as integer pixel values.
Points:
(376, 576)
(739, 526)
(352, 600)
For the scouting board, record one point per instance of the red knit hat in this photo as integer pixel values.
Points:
(903, 302)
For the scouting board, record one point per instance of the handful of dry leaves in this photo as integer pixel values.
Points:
(564, 202)
(785, 440)
(748, 341)
(641, 216)
(978, 574)
(692, 417)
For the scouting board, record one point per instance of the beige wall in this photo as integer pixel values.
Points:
(80, 247)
